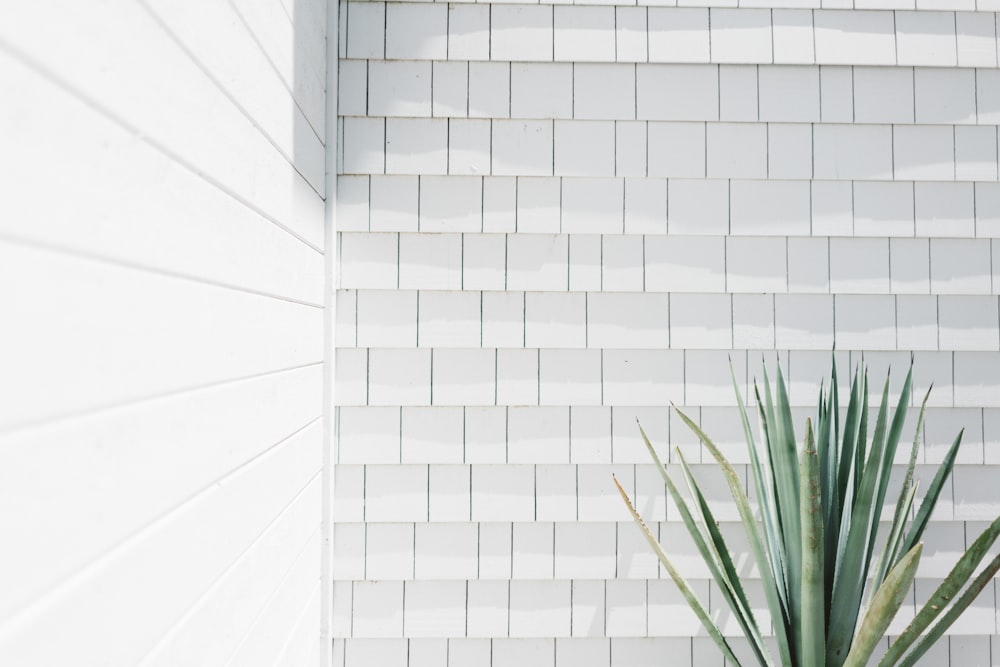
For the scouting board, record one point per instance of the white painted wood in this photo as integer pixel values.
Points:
(115, 611)
(136, 204)
(140, 76)
(132, 465)
(293, 49)
(89, 334)
(224, 47)
(214, 627)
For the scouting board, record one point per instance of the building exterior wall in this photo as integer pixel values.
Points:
(161, 332)
(555, 219)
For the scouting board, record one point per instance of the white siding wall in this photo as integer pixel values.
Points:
(556, 219)
(161, 332)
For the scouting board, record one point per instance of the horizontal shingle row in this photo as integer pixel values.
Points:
(565, 608)
(633, 264)
(591, 91)
(666, 149)
(574, 33)
(597, 651)
(677, 206)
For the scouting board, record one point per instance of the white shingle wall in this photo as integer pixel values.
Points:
(554, 220)
(161, 345)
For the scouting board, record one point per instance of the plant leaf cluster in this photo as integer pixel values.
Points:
(830, 595)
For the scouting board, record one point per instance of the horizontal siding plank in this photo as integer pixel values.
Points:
(87, 334)
(114, 612)
(285, 45)
(137, 205)
(224, 47)
(277, 622)
(224, 617)
(143, 79)
(138, 463)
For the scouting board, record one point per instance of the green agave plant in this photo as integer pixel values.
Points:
(830, 596)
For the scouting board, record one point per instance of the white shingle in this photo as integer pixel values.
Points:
(701, 321)
(630, 148)
(770, 207)
(658, 92)
(685, 264)
(532, 553)
(434, 609)
(445, 551)
(753, 321)
(468, 32)
(448, 493)
(789, 94)
(363, 146)
(883, 94)
(808, 264)
(627, 320)
(352, 87)
(522, 147)
(676, 150)
(494, 541)
(944, 209)
(584, 34)
(499, 204)
(645, 206)
(430, 261)
(738, 100)
(836, 94)
(537, 262)
(521, 32)
(909, 262)
(368, 435)
(793, 35)
(502, 493)
(803, 321)
(399, 88)
(450, 95)
(855, 37)
(631, 34)
(737, 150)
(741, 35)
(555, 319)
(832, 208)
(926, 38)
(585, 262)
(642, 377)
(916, 322)
(960, 266)
(387, 318)
(865, 321)
(464, 377)
(503, 319)
(584, 148)
(483, 261)
(451, 203)
(538, 210)
(517, 377)
(555, 492)
(399, 377)
(789, 151)
(625, 610)
(489, 90)
(589, 435)
(416, 31)
(860, 152)
(569, 377)
(592, 205)
(469, 147)
(755, 264)
(859, 265)
(395, 493)
(968, 322)
(698, 207)
(622, 263)
(883, 209)
(393, 206)
(416, 146)
(366, 30)
(604, 91)
(977, 45)
(945, 96)
(378, 612)
(487, 610)
(541, 90)
(976, 153)
(678, 35)
(372, 260)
